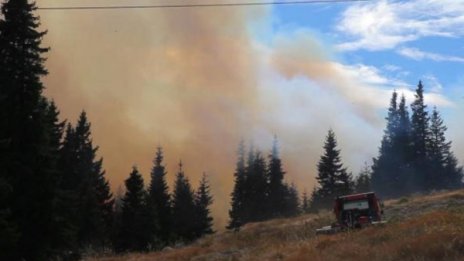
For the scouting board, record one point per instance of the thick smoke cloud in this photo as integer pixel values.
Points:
(196, 81)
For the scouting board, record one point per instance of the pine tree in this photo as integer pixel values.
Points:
(384, 164)
(63, 232)
(133, 234)
(402, 150)
(26, 158)
(333, 178)
(444, 173)
(256, 189)
(292, 201)
(203, 200)
(419, 135)
(95, 202)
(236, 213)
(276, 197)
(183, 208)
(391, 174)
(247, 188)
(160, 201)
(85, 186)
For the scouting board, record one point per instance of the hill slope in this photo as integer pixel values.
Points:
(427, 227)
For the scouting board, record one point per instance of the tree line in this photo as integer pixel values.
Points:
(151, 218)
(260, 192)
(414, 157)
(414, 154)
(55, 199)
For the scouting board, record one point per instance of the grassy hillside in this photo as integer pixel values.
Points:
(427, 227)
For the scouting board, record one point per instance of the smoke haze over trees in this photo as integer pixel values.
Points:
(55, 197)
(260, 192)
(414, 155)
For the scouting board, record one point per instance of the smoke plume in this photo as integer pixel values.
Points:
(196, 82)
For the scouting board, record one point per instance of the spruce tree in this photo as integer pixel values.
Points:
(95, 199)
(183, 208)
(63, 232)
(85, 186)
(333, 178)
(419, 135)
(292, 201)
(384, 164)
(256, 189)
(391, 171)
(247, 203)
(203, 201)
(276, 197)
(444, 173)
(133, 234)
(237, 197)
(159, 201)
(26, 158)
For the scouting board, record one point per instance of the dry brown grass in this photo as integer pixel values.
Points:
(427, 227)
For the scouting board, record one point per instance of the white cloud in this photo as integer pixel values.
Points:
(368, 74)
(385, 24)
(391, 67)
(417, 54)
(432, 83)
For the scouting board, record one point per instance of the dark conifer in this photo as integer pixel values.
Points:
(95, 201)
(276, 197)
(292, 201)
(203, 201)
(333, 178)
(390, 171)
(236, 213)
(419, 135)
(89, 202)
(133, 234)
(183, 208)
(256, 190)
(443, 172)
(26, 159)
(160, 201)
(383, 164)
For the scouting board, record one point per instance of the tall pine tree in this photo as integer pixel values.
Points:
(333, 178)
(277, 190)
(159, 200)
(86, 186)
(238, 196)
(183, 208)
(133, 234)
(444, 172)
(27, 154)
(385, 164)
(419, 135)
(256, 188)
(203, 201)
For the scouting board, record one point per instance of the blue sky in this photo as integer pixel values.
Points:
(403, 40)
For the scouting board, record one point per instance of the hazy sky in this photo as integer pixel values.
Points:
(198, 80)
